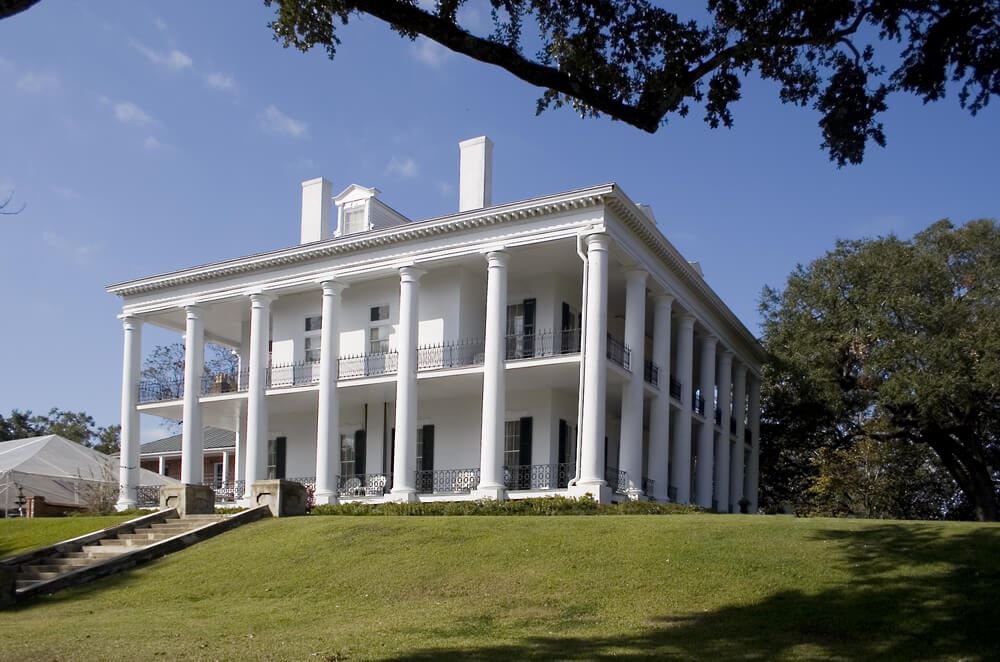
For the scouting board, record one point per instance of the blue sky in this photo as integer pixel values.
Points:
(145, 137)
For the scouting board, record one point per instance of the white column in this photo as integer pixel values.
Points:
(128, 465)
(192, 432)
(328, 425)
(680, 463)
(723, 442)
(260, 336)
(659, 408)
(241, 444)
(753, 475)
(739, 413)
(405, 454)
(595, 369)
(162, 466)
(225, 467)
(706, 436)
(632, 389)
(491, 483)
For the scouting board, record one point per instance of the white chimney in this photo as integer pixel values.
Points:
(316, 194)
(475, 176)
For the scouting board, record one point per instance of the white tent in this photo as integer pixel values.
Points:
(59, 470)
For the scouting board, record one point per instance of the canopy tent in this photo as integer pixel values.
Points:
(59, 470)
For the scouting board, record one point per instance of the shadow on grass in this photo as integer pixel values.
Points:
(913, 594)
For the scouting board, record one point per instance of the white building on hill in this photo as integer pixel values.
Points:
(556, 345)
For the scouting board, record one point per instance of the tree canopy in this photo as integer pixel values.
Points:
(642, 64)
(892, 340)
(76, 426)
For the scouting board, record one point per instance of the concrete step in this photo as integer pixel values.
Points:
(68, 563)
(213, 517)
(31, 573)
(105, 551)
(146, 537)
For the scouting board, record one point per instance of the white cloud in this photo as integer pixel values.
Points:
(274, 121)
(77, 251)
(445, 189)
(127, 112)
(36, 83)
(153, 144)
(429, 52)
(402, 166)
(174, 60)
(221, 81)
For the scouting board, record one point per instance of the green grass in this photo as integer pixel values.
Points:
(21, 535)
(508, 588)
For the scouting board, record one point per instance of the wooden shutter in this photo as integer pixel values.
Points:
(529, 328)
(524, 452)
(563, 441)
(360, 439)
(428, 459)
(280, 446)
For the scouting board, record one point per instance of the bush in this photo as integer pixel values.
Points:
(544, 506)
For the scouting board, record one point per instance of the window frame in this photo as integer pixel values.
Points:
(312, 335)
(357, 208)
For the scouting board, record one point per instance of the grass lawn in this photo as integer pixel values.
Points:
(21, 535)
(507, 588)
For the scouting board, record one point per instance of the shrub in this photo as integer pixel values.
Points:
(544, 506)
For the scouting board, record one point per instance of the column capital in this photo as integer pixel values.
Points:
(687, 321)
(497, 258)
(333, 286)
(664, 300)
(193, 308)
(726, 355)
(130, 322)
(410, 274)
(740, 368)
(260, 299)
(597, 241)
(709, 340)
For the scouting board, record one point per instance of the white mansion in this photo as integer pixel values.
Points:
(557, 345)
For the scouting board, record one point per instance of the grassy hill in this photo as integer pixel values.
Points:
(413, 588)
(20, 535)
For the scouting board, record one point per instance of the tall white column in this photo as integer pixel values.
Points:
(632, 390)
(128, 466)
(328, 419)
(225, 467)
(491, 483)
(723, 442)
(753, 474)
(192, 432)
(405, 454)
(659, 408)
(680, 463)
(260, 336)
(162, 466)
(736, 469)
(706, 436)
(595, 369)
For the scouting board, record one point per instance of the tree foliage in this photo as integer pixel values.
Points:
(891, 340)
(76, 426)
(163, 368)
(641, 63)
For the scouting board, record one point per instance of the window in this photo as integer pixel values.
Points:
(313, 338)
(512, 443)
(378, 339)
(355, 217)
(380, 313)
(272, 459)
(521, 330)
(347, 456)
(217, 473)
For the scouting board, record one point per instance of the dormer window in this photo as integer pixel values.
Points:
(355, 217)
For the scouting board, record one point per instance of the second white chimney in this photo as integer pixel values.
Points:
(475, 176)
(316, 195)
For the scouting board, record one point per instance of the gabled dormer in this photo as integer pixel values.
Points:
(360, 210)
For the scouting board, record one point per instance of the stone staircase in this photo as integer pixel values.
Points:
(62, 563)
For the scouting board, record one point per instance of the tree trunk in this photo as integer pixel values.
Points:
(973, 478)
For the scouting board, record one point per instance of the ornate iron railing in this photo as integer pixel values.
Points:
(300, 373)
(213, 383)
(362, 485)
(539, 476)
(619, 353)
(616, 480)
(648, 485)
(308, 481)
(675, 388)
(147, 496)
(651, 373)
(228, 491)
(447, 481)
(450, 355)
(368, 365)
(158, 391)
(569, 341)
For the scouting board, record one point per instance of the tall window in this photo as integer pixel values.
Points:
(272, 459)
(355, 217)
(217, 473)
(348, 456)
(512, 443)
(378, 332)
(314, 328)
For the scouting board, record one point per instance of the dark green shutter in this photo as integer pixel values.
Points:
(563, 441)
(360, 437)
(280, 445)
(529, 328)
(428, 459)
(524, 451)
(392, 450)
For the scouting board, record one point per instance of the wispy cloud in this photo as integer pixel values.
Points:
(153, 144)
(429, 52)
(445, 189)
(276, 122)
(221, 81)
(173, 60)
(402, 167)
(79, 252)
(127, 112)
(38, 83)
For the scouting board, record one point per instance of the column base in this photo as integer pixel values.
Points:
(599, 491)
(402, 496)
(325, 499)
(491, 492)
(188, 499)
(126, 505)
